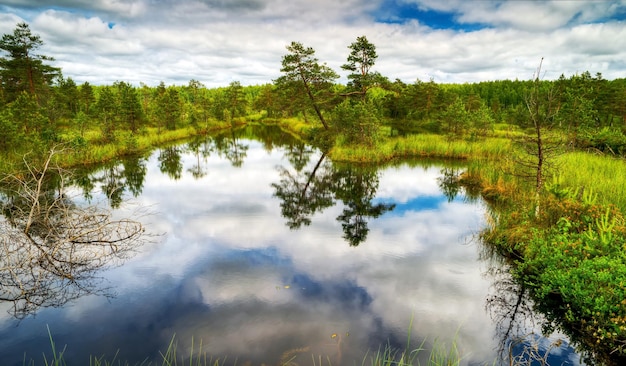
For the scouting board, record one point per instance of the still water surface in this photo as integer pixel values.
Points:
(268, 253)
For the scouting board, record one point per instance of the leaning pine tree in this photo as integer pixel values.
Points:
(303, 72)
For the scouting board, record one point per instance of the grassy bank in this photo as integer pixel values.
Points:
(572, 255)
(89, 148)
(423, 145)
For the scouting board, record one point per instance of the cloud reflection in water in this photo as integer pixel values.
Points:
(231, 273)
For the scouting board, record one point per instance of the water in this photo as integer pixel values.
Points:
(268, 254)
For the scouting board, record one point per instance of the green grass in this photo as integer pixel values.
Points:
(603, 174)
(422, 145)
(572, 256)
(94, 150)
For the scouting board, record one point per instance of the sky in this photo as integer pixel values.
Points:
(218, 42)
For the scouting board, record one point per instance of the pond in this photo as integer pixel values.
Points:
(268, 253)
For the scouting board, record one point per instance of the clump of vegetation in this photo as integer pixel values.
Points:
(573, 260)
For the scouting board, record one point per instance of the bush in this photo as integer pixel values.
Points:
(357, 122)
(607, 140)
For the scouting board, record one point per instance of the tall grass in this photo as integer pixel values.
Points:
(423, 145)
(96, 151)
(602, 174)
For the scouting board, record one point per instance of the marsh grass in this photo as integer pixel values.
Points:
(604, 175)
(440, 355)
(97, 151)
(423, 145)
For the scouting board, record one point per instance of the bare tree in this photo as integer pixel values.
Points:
(51, 247)
(539, 148)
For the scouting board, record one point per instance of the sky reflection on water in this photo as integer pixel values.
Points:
(229, 272)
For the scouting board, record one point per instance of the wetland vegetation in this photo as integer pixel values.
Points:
(547, 156)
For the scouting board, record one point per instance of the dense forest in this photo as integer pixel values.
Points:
(41, 107)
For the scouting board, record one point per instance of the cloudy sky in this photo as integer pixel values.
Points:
(220, 41)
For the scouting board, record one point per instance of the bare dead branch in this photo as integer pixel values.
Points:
(52, 248)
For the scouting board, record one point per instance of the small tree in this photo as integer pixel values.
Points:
(455, 119)
(86, 99)
(129, 108)
(357, 122)
(68, 97)
(168, 106)
(236, 102)
(106, 108)
(481, 120)
(360, 61)
(539, 148)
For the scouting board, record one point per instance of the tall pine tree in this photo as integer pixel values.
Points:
(24, 70)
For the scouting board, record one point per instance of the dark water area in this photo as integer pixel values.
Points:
(266, 252)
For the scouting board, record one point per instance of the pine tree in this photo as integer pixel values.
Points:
(302, 70)
(23, 70)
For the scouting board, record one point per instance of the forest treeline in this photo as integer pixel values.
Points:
(40, 106)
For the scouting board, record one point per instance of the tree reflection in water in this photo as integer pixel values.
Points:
(357, 187)
(114, 179)
(170, 162)
(512, 310)
(303, 193)
(51, 248)
(231, 148)
(201, 149)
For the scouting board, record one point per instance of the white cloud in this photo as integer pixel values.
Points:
(533, 16)
(217, 42)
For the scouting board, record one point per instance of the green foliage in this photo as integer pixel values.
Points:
(67, 96)
(10, 135)
(26, 113)
(573, 259)
(86, 99)
(304, 75)
(106, 107)
(168, 107)
(360, 61)
(23, 71)
(557, 188)
(81, 122)
(235, 99)
(129, 111)
(130, 144)
(356, 122)
(606, 139)
(481, 121)
(455, 120)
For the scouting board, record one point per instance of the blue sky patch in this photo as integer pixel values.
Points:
(422, 203)
(396, 12)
